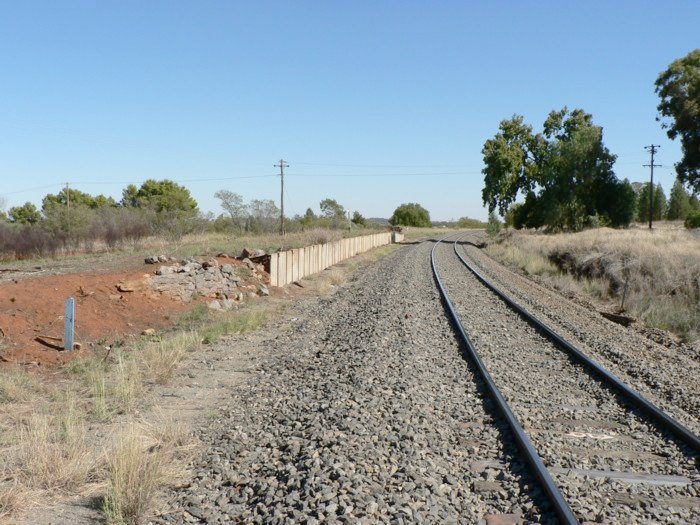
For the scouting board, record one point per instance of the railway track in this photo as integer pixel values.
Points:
(601, 452)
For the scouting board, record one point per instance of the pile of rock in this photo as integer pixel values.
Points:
(192, 278)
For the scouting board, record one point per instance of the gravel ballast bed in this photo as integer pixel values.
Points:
(364, 412)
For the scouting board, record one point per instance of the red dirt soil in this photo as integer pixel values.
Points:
(35, 307)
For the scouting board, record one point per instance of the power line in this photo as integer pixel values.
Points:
(248, 177)
(344, 165)
(426, 174)
(177, 180)
(282, 164)
(652, 150)
(105, 183)
(31, 189)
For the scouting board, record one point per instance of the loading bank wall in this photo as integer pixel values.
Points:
(292, 265)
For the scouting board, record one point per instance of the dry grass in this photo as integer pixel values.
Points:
(16, 386)
(160, 359)
(142, 458)
(48, 449)
(52, 451)
(233, 322)
(661, 269)
(528, 261)
(136, 470)
(127, 382)
(14, 499)
(45, 444)
(336, 276)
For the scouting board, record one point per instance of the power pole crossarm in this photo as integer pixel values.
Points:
(652, 150)
(282, 164)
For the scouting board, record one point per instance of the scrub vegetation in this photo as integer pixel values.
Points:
(661, 269)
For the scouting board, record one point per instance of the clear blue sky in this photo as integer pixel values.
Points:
(373, 103)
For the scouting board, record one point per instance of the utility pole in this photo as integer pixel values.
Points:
(282, 164)
(67, 195)
(652, 150)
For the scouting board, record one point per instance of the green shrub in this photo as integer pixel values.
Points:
(693, 219)
(493, 226)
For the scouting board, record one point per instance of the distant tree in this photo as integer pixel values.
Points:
(493, 226)
(694, 204)
(511, 215)
(358, 219)
(679, 204)
(101, 201)
(411, 214)
(469, 223)
(160, 196)
(622, 204)
(72, 224)
(26, 214)
(564, 173)
(233, 204)
(73, 197)
(130, 197)
(264, 209)
(308, 219)
(659, 204)
(331, 209)
(263, 215)
(678, 88)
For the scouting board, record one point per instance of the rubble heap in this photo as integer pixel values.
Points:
(193, 278)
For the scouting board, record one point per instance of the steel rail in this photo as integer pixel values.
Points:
(561, 508)
(646, 406)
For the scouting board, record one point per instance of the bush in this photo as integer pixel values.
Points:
(411, 214)
(469, 223)
(693, 219)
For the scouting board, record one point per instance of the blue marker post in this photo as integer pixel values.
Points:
(70, 324)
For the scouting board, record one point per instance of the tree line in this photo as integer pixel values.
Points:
(72, 220)
(562, 177)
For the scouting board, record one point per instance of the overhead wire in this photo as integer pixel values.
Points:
(249, 177)
(351, 165)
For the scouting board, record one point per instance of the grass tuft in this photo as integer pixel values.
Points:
(335, 277)
(160, 359)
(135, 466)
(237, 322)
(127, 382)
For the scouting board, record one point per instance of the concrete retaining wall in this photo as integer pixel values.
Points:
(292, 265)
